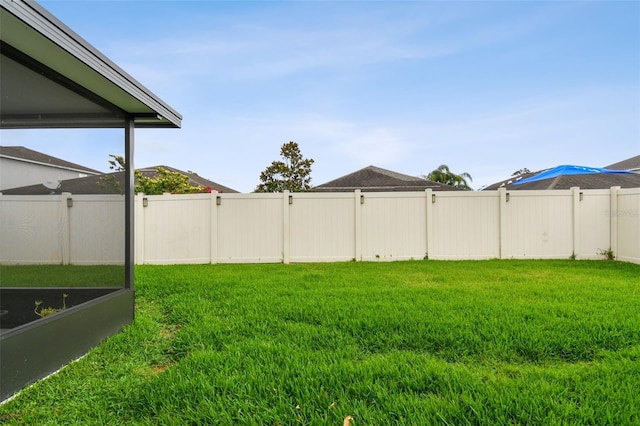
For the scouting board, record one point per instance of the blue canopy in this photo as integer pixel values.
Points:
(569, 170)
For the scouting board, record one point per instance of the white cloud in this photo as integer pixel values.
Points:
(402, 86)
(373, 146)
(262, 48)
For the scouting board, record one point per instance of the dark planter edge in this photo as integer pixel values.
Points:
(18, 303)
(33, 351)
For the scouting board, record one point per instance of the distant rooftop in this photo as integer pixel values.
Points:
(584, 181)
(109, 183)
(21, 153)
(194, 178)
(632, 163)
(374, 179)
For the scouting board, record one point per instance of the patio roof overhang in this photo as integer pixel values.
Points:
(52, 78)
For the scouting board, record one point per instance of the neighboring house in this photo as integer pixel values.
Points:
(20, 166)
(566, 177)
(376, 179)
(194, 178)
(632, 164)
(109, 183)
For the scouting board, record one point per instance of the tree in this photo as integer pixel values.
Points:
(444, 175)
(292, 174)
(117, 163)
(521, 172)
(164, 181)
(108, 182)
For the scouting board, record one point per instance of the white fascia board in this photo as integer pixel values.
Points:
(47, 40)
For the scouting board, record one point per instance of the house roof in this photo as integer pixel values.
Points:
(376, 179)
(632, 163)
(584, 181)
(109, 183)
(52, 77)
(20, 153)
(194, 178)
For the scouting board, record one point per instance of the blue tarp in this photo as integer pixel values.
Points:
(569, 170)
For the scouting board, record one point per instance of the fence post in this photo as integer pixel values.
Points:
(139, 228)
(429, 198)
(613, 220)
(213, 223)
(66, 203)
(575, 243)
(285, 226)
(503, 249)
(358, 224)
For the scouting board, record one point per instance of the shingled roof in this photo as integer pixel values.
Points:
(194, 178)
(632, 163)
(584, 181)
(593, 181)
(376, 179)
(109, 183)
(20, 153)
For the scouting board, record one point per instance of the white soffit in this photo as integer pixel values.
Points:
(35, 34)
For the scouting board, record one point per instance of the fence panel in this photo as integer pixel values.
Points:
(539, 224)
(322, 227)
(177, 229)
(33, 229)
(317, 227)
(96, 230)
(250, 228)
(593, 224)
(393, 225)
(465, 225)
(628, 214)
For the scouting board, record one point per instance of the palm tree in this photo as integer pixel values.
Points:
(444, 175)
(521, 172)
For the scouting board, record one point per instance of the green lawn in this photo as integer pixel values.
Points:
(62, 276)
(407, 343)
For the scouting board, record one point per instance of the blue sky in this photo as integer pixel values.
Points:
(485, 87)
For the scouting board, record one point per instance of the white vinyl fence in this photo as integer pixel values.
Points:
(324, 227)
(62, 229)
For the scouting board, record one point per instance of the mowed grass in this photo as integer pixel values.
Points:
(62, 276)
(403, 343)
